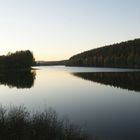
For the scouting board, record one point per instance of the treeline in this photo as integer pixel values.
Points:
(19, 59)
(50, 63)
(125, 54)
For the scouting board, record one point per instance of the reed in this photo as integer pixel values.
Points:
(18, 123)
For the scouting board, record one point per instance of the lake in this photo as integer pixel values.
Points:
(104, 101)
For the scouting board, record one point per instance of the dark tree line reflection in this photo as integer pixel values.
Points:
(124, 80)
(17, 78)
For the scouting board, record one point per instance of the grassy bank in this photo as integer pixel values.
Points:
(18, 123)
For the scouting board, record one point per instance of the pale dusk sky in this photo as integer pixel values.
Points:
(58, 29)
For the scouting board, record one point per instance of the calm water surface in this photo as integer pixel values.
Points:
(105, 101)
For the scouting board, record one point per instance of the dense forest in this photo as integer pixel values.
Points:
(124, 54)
(19, 59)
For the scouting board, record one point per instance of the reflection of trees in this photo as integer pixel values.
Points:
(17, 78)
(125, 80)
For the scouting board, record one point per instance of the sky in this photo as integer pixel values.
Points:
(58, 29)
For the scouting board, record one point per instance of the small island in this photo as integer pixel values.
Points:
(17, 60)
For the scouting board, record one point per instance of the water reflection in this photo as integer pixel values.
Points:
(124, 80)
(18, 79)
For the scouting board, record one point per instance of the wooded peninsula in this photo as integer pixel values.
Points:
(124, 54)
